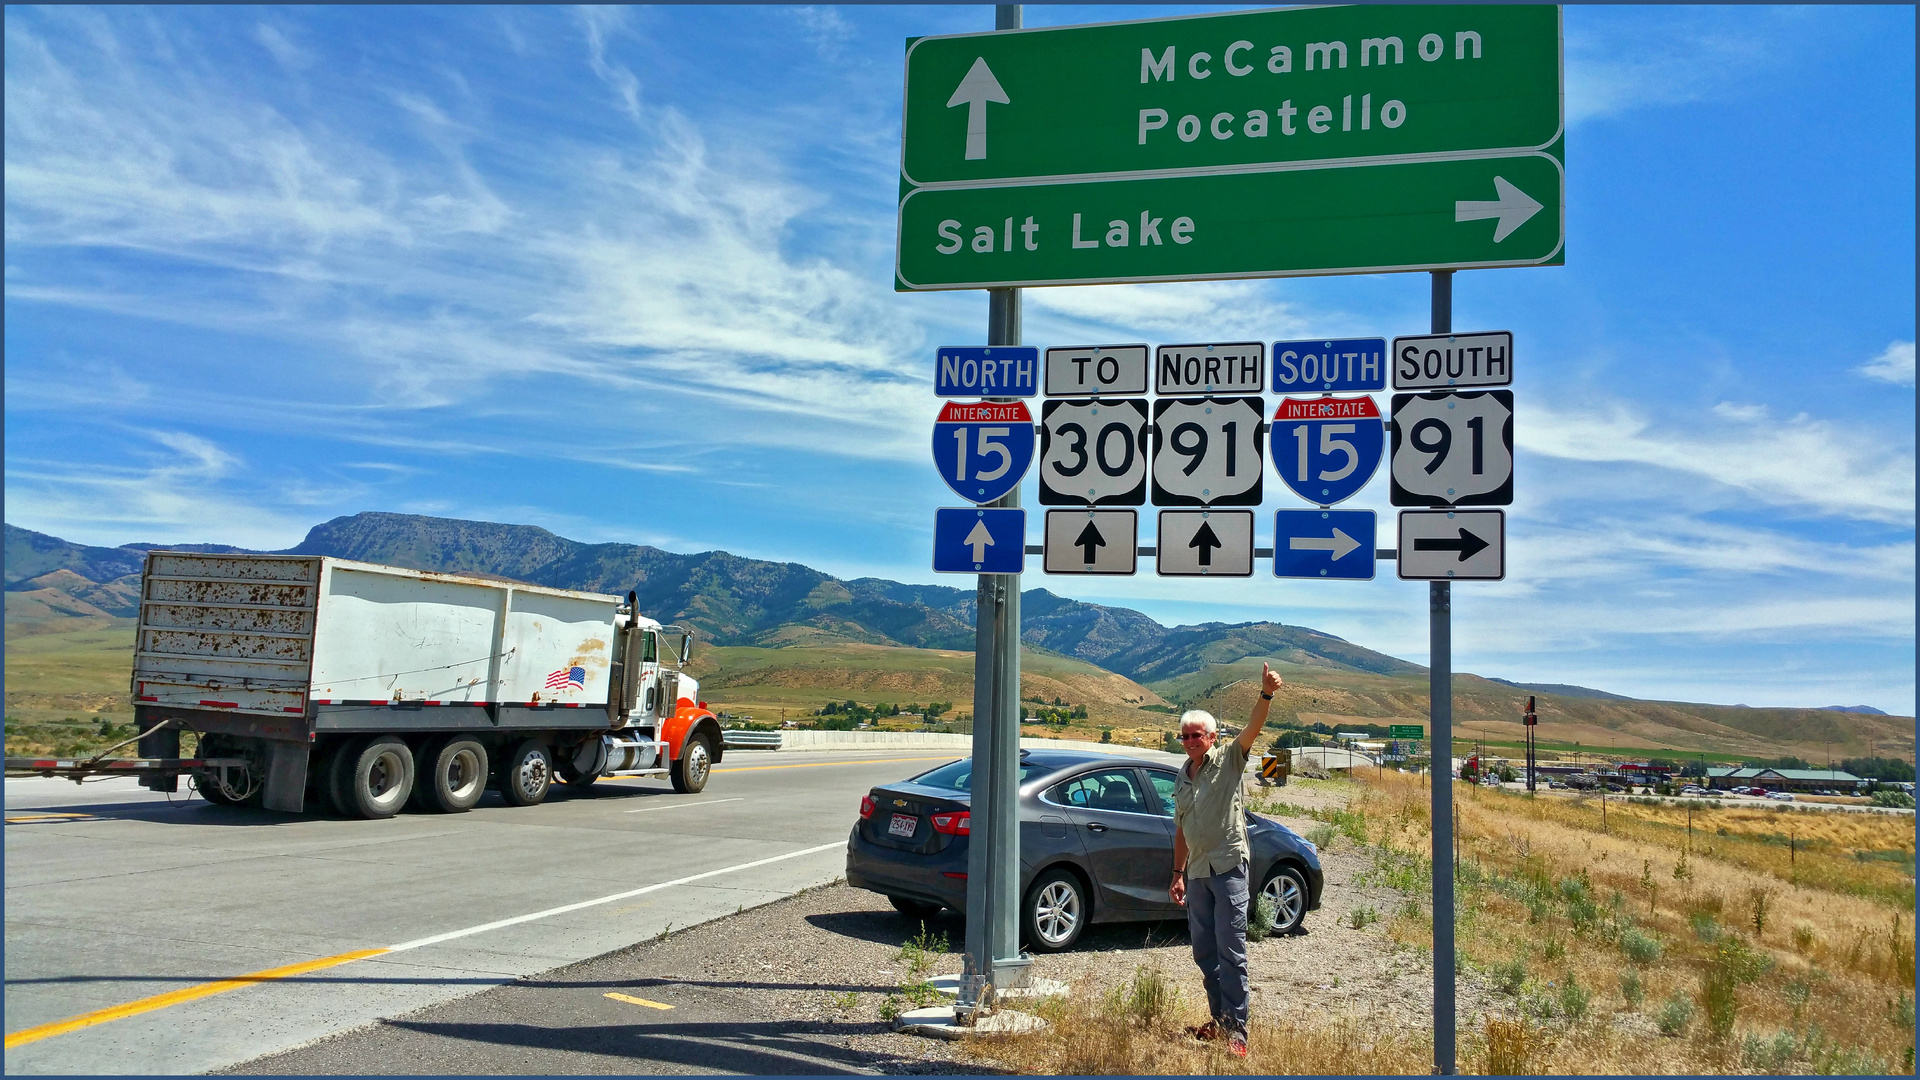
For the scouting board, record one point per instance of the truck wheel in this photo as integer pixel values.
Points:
(452, 775)
(527, 774)
(689, 774)
(379, 778)
(340, 774)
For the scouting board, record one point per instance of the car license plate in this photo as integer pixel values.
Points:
(903, 825)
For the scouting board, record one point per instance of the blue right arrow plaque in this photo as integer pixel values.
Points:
(1323, 544)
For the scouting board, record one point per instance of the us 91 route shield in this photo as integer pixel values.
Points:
(983, 449)
(1206, 451)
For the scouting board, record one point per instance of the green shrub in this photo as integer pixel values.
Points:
(1674, 1015)
(1640, 947)
(1631, 990)
(1888, 797)
(1260, 916)
(1145, 1000)
(1510, 977)
(1900, 1011)
(1554, 950)
(1704, 927)
(1767, 1055)
(1362, 917)
(1719, 999)
(1321, 836)
(1574, 998)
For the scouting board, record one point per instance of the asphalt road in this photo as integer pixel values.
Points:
(260, 931)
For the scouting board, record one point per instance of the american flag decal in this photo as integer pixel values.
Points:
(575, 677)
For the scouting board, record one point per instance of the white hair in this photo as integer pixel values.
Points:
(1203, 718)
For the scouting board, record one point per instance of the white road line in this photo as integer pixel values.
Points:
(676, 806)
(643, 890)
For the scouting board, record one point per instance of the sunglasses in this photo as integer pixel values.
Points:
(1195, 735)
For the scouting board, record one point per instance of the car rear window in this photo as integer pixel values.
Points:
(958, 775)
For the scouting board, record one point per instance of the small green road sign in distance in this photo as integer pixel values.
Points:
(1406, 731)
(1244, 120)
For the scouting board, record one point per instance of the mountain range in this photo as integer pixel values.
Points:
(727, 599)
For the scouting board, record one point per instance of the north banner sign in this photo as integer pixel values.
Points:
(1231, 145)
(985, 371)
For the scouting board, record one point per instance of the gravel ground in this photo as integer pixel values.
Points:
(799, 986)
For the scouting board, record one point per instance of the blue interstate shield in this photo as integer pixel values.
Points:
(1327, 448)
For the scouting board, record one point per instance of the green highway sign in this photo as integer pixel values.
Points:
(1269, 120)
(1406, 731)
(1477, 212)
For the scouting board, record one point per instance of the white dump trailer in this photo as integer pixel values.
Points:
(312, 679)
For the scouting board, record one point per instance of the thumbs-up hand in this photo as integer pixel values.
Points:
(1269, 679)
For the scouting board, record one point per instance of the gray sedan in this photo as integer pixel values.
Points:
(1096, 845)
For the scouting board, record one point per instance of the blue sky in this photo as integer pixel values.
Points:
(626, 274)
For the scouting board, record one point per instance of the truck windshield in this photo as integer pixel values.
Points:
(958, 775)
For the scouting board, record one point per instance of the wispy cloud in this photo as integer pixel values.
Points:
(1895, 365)
(1797, 462)
(1669, 56)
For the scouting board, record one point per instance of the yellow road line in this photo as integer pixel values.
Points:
(46, 817)
(820, 764)
(639, 1001)
(177, 997)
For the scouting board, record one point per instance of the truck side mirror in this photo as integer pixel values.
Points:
(686, 649)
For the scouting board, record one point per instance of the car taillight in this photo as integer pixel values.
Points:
(959, 824)
(867, 806)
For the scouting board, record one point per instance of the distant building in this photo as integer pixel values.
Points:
(1783, 779)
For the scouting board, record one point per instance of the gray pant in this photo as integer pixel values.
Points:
(1217, 923)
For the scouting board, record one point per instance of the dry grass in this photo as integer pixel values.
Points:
(1626, 948)
(1133, 1029)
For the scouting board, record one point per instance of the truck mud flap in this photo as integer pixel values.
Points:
(286, 780)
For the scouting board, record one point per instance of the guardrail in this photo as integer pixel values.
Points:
(751, 740)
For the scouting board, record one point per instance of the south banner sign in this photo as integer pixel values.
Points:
(1295, 141)
(983, 449)
(1327, 448)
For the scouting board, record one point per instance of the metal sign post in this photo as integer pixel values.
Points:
(1440, 634)
(993, 960)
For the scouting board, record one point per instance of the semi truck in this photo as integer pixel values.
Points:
(360, 687)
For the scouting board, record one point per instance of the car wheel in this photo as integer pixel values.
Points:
(527, 774)
(913, 909)
(1055, 911)
(1287, 890)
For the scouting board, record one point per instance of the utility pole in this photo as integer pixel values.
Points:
(993, 959)
(1440, 692)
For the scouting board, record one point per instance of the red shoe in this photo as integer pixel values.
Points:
(1237, 1046)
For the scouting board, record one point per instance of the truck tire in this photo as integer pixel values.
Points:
(527, 774)
(339, 783)
(452, 775)
(379, 778)
(695, 764)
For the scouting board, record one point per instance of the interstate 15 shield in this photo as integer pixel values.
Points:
(983, 448)
(1327, 448)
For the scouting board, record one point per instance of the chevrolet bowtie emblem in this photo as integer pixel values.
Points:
(899, 802)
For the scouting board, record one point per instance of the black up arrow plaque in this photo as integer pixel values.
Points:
(1210, 543)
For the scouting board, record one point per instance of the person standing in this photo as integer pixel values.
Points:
(1210, 861)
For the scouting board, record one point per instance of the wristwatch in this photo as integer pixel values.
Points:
(1264, 696)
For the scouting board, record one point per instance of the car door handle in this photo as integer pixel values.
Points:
(1094, 826)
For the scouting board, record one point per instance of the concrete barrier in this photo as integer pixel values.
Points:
(821, 741)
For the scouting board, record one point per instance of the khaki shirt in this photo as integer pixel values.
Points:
(1207, 810)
